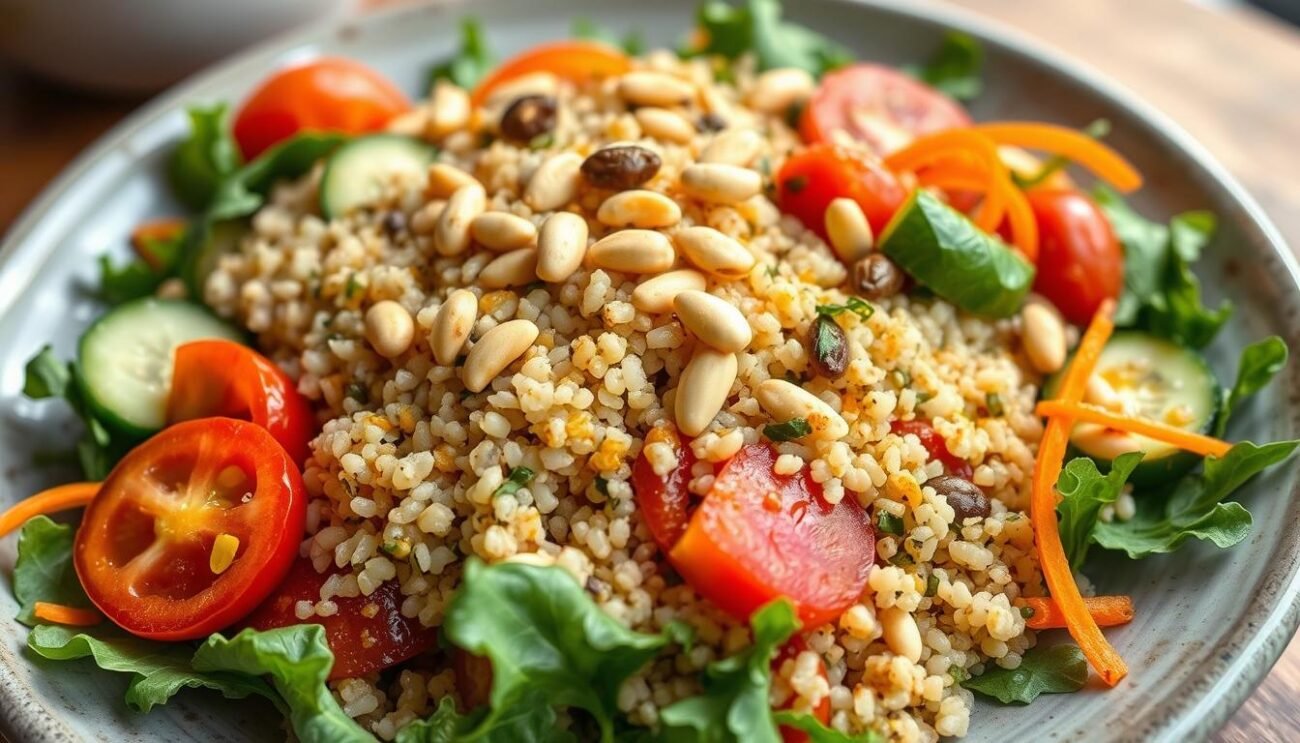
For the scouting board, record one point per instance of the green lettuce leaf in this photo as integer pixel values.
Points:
(205, 159)
(531, 719)
(43, 571)
(1084, 490)
(245, 190)
(1194, 509)
(757, 27)
(955, 68)
(1259, 363)
(470, 64)
(298, 661)
(99, 447)
(137, 278)
(819, 733)
(1060, 669)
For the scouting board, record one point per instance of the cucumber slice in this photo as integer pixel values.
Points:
(125, 359)
(356, 172)
(1157, 379)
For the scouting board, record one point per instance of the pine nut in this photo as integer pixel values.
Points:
(451, 233)
(713, 320)
(714, 252)
(785, 401)
(734, 147)
(411, 124)
(633, 251)
(449, 110)
(665, 125)
(1043, 336)
(561, 246)
(640, 208)
(848, 229)
(452, 325)
(775, 91)
(502, 231)
(554, 183)
(516, 268)
(702, 389)
(901, 633)
(425, 219)
(655, 296)
(721, 184)
(496, 350)
(389, 328)
(444, 180)
(644, 88)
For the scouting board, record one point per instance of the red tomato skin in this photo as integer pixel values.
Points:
(810, 179)
(331, 94)
(758, 536)
(269, 535)
(879, 106)
(394, 638)
(473, 678)
(790, 650)
(935, 444)
(1080, 262)
(223, 378)
(664, 502)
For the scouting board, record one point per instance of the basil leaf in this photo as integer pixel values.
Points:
(631, 42)
(757, 27)
(955, 68)
(1195, 507)
(734, 705)
(888, 523)
(519, 477)
(205, 159)
(1060, 669)
(816, 732)
(1084, 490)
(43, 571)
(947, 253)
(158, 670)
(298, 660)
(1259, 363)
(795, 428)
(470, 64)
(857, 305)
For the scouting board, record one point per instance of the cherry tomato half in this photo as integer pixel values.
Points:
(758, 536)
(331, 94)
(575, 60)
(935, 444)
(810, 179)
(879, 106)
(144, 549)
(368, 634)
(822, 711)
(223, 378)
(664, 502)
(1080, 263)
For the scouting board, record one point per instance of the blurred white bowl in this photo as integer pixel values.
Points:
(141, 45)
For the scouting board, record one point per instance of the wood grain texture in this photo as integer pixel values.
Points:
(1230, 77)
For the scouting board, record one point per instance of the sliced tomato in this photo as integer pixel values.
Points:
(758, 536)
(935, 444)
(567, 60)
(223, 378)
(144, 549)
(822, 711)
(1080, 263)
(811, 179)
(367, 635)
(879, 106)
(331, 94)
(664, 502)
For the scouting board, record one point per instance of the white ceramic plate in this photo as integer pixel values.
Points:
(1209, 623)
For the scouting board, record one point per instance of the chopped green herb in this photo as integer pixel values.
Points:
(902, 559)
(602, 486)
(993, 401)
(541, 141)
(357, 391)
(1026, 612)
(469, 65)
(353, 286)
(857, 305)
(958, 673)
(795, 428)
(888, 523)
(931, 585)
(519, 477)
(730, 31)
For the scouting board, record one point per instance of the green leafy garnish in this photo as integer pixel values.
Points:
(244, 192)
(631, 42)
(955, 68)
(470, 64)
(857, 305)
(795, 428)
(1060, 669)
(518, 477)
(888, 523)
(1259, 363)
(43, 571)
(99, 447)
(205, 159)
(1084, 490)
(138, 278)
(730, 31)
(819, 733)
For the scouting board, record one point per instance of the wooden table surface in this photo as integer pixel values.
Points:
(1230, 76)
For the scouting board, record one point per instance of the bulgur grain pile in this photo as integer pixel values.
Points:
(380, 313)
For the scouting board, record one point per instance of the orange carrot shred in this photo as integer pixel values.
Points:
(60, 498)
(569, 60)
(1042, 513)
(1024, 227)
(1206, 446)
(1106, 611)
(68, 615)
(1073, 145)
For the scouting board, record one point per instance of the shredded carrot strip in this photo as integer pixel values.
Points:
(1051, 555)
(959, 144)
(61, 498)
(1106, 611)
(1024, 228)
(568, 60)
(1206, 446)
(1069, 143)
(69, 615)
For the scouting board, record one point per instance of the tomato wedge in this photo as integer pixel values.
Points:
(222, 378)
(664, 502)
(567, 60)
(331, 94)
(758, 535)
(811, 179)
(144, 552)
(822, 711)
(935, 444)
(879, 106)
(367, 635)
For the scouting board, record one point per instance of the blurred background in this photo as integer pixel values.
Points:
(1227, 70)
